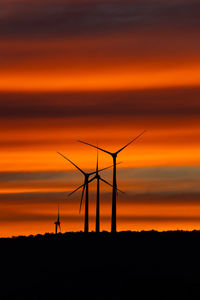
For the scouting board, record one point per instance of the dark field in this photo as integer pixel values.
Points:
(126, 265)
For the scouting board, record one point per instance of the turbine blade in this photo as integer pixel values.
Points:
(103, 169)
(108, 167)
(72, 163)
(97, 166)
(82, 198)
(95, 147)
(110, 185)
(76, 190)
(92, 179)
(130, 142)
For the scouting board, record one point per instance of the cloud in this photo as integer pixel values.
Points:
(145, 198)
(35, 176)
(166, 102)
(79, 18)
(34, 217)
(162, 198)
(32, 197)
(161, 173)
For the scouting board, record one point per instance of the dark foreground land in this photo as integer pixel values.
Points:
(126, 265)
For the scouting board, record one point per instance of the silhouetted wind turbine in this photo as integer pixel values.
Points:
(114, 157)
(57, 223)
(85, 188)
(98, 178)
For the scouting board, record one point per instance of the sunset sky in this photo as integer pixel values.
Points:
(99, 71)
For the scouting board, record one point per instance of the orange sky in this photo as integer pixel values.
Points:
(102, 71)
(104, 64)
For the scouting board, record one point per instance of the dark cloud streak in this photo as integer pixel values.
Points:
(160, 198)
(72, 218)
(32, 176)
(165, 102)
(68, 19)
(148, 173)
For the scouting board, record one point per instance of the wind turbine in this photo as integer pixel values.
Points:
(98, 178)
(85, 188)
(114, 157)
(57, 223)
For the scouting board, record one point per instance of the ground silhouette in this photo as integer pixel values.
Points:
(124, 265)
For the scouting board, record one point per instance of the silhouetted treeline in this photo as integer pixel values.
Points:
(125, 265)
